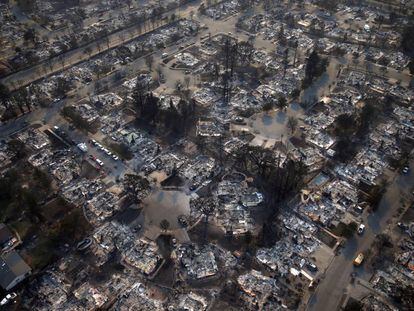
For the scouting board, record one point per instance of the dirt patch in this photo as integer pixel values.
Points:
(88, 171)
(408, 215)
(344, 230)
(326, 238)
(56, 210)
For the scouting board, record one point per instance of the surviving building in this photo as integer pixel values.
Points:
(13, 270)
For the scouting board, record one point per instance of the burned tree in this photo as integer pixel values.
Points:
(207, 210)
(315, 67)
(230, 54)
(4, 95)
(292, 124)
(138, 95)
(276, 177)
(226, 86)
(137, 186)
(245, 53)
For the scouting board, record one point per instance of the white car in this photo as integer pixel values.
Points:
(405, 170)
(361, 229)
(115, 157)
(99, 162)
(82, 147)
(7, 299)
(11, 296)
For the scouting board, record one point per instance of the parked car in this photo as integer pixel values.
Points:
(358, 259)
(238, 120)
(312, 267)
(11, 296)
(182, 220)
(99, 162)
(7, 299)
(361, 229)
(161, 78)
(402, 226)
(405, 170)
(136, 228)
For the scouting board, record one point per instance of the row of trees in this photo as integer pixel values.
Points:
(145, 22)
(14, 102)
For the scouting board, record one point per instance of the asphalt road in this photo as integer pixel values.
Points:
(332, 288)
